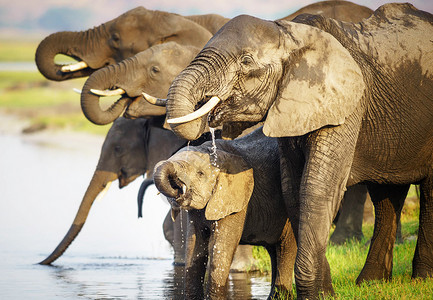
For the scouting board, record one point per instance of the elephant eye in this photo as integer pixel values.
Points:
(200, 173)
(118, 150)
(247, 60)
(155, 69)
(115, 37)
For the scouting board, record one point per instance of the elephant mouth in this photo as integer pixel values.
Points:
(124, 180)
(76, 66)
(82, 65)
(181, 190)
(216, 115)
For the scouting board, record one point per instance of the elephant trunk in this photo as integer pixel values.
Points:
(68, 43)
(99, 182)
(143, 187)
(186, 95)
(166, 180)
(102, 79)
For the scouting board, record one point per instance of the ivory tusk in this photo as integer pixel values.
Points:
(103, 192)
(154, 100)
(183, 189)
(107, 93)
(77, 90)
(74, 67)
(198, 113)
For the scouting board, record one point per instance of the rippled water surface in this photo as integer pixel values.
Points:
(116, 255)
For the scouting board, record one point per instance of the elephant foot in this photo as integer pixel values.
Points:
(373, 272)
(421, 270)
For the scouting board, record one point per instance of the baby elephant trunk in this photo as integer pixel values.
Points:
(167, 180)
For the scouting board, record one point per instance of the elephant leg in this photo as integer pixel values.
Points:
(282, 270)
(196, 257)
(179, 238)
(388, 201)
(225, 237)
(349, 224)
(291, 168)
(422, 264)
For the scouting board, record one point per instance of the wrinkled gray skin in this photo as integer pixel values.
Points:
(227, 204)
(351, 103)
(130, 33)
(150, 71)
(128, 152)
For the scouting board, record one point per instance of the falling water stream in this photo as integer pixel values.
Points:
(213, 153)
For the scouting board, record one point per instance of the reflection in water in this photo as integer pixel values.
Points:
(102, 278)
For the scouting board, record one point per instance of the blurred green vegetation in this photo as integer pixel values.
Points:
(45, 103)
(18, 50)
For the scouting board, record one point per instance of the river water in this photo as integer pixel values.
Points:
(116, 255)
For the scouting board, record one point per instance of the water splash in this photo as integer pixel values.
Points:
(213, 154)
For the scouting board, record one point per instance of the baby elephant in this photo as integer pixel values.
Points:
(228, 204)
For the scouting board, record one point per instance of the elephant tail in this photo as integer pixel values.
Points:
(141, 193)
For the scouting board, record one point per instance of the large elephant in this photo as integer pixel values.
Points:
(350, 102)
(232, 193)
(134, 31)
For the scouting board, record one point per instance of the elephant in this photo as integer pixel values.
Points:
(122, 37)
(232, 193)
(350, 102)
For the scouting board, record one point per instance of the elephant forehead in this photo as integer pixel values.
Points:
(192, 157)
(244, 31)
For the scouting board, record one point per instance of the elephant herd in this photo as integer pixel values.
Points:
(309, 112)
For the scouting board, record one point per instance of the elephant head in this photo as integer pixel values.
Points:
(131, 148)
(150, 71)
(299, 77)
(220, 182)
(113, 41)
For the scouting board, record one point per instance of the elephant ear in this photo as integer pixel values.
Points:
(321, 84)
(233, 189)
